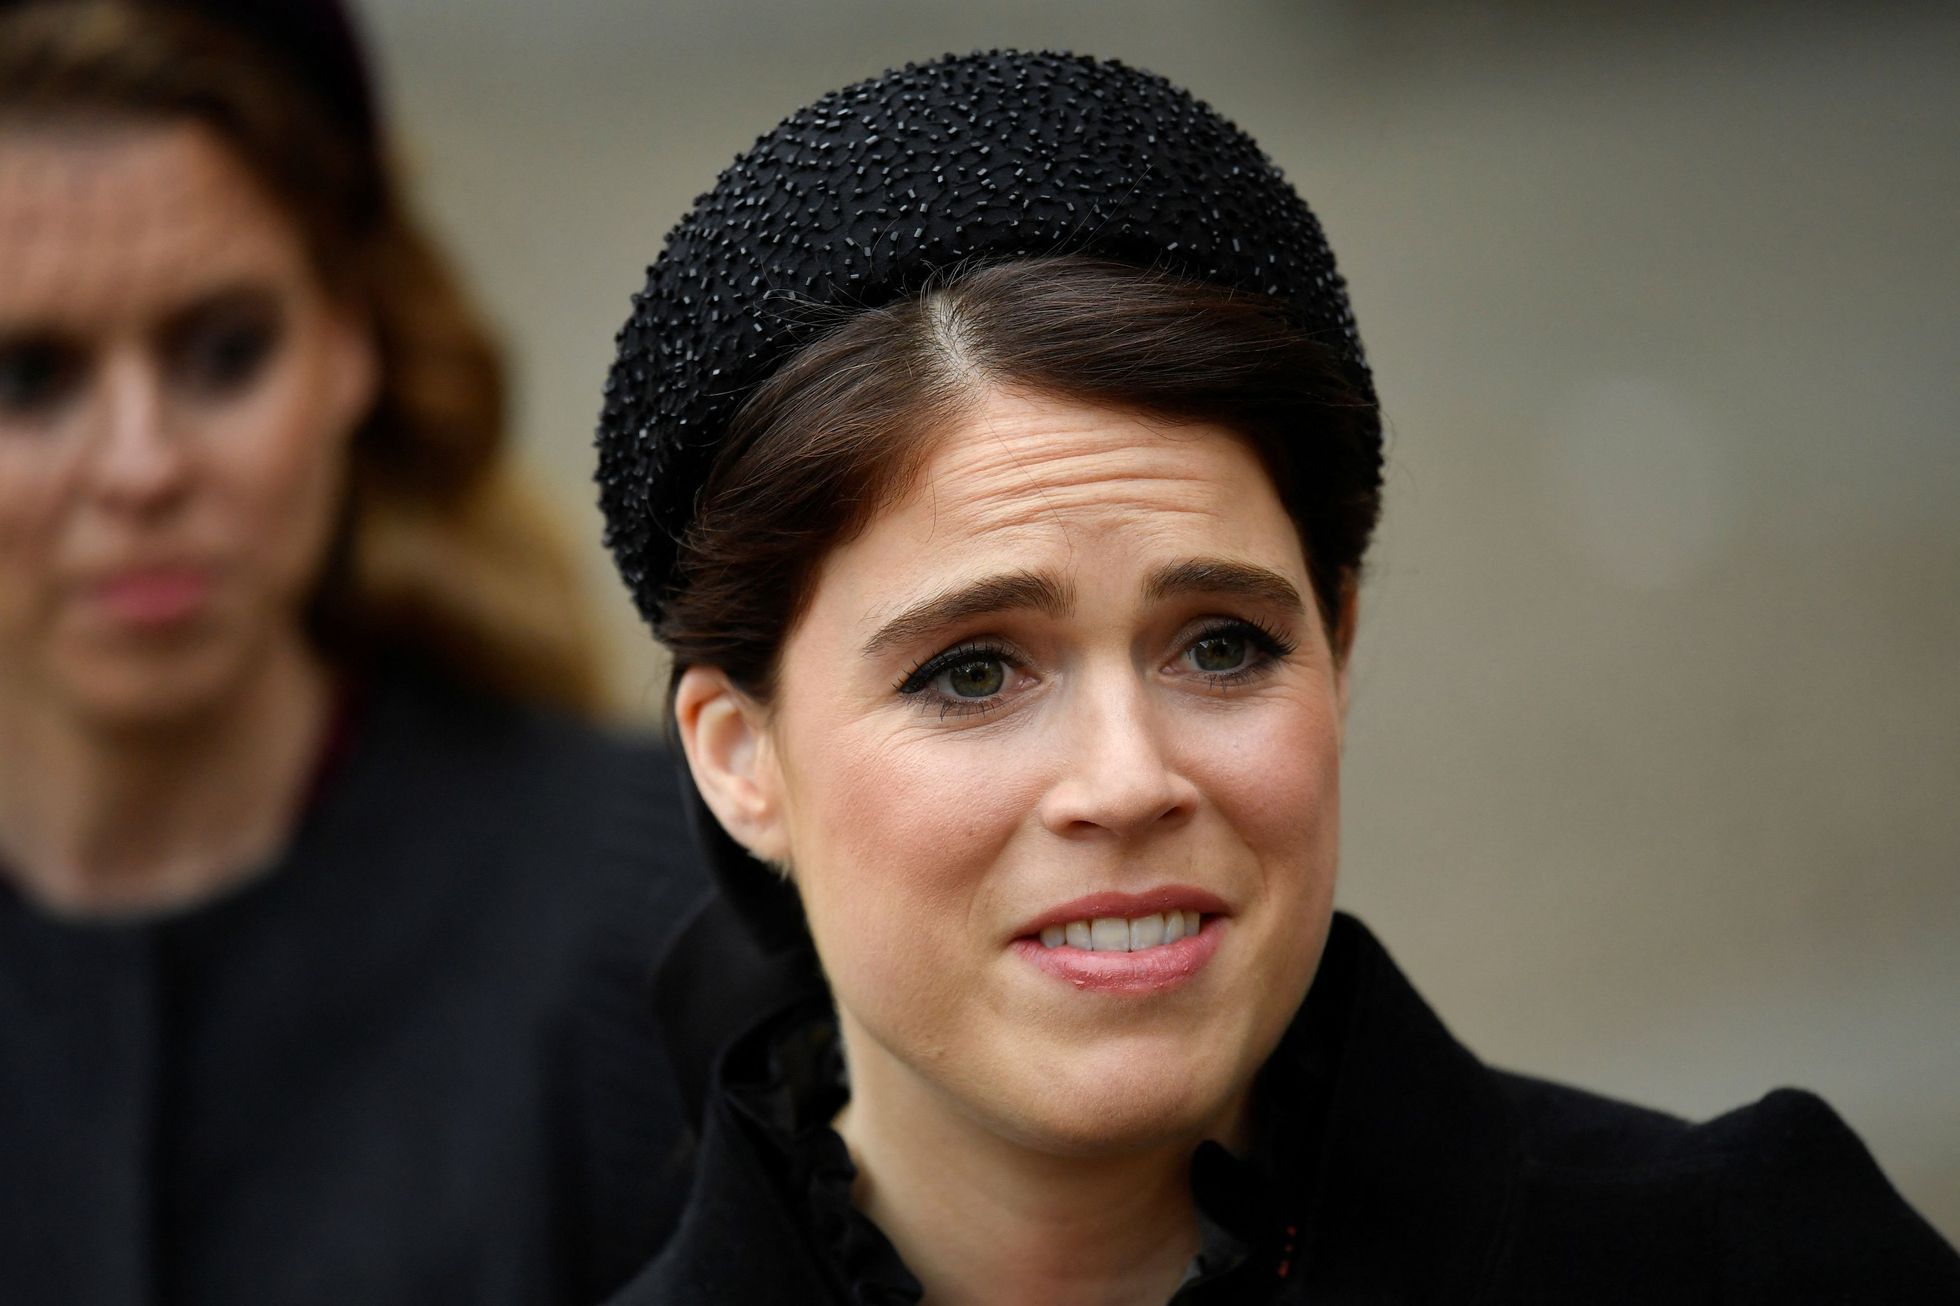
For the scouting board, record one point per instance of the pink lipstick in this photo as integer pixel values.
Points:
(154, 596)
(1134, 943)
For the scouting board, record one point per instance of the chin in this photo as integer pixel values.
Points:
(1127, 1107)
(148, 688)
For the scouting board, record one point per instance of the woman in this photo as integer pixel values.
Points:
(322, 915)
(994, 449)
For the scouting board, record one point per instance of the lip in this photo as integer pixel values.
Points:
(152, 596)
(1152, 971)
(1171, 897)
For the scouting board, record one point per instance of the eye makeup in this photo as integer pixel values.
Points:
(218, 348)
(982, 665)
(1258, 647)
(215, 349)
(40, 374)
(974, 675)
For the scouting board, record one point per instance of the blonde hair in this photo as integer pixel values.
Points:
(444, 549)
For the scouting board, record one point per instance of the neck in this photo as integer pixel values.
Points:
(1015, 1224)
(111, 819)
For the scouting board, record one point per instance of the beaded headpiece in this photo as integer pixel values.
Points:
(861, 198)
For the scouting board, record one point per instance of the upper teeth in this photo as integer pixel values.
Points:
(1115, 934)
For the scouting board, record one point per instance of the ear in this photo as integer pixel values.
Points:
(729, 751)
(354, 360)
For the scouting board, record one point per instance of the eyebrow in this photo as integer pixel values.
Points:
(1003, 593)
(243, 297)
(248, 293)
(1224, 576)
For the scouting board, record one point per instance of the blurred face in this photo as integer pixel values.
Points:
(176, 398)
(1055, 764)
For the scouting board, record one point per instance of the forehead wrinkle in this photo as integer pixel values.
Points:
(1112, 510)
(1022, 483)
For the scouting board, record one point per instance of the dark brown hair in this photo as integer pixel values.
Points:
(844, 428)
(443, 549)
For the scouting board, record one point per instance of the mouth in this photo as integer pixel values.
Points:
(152, 596)
(1127, 943)
(1116, 934)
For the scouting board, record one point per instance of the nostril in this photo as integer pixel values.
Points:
(1081, 808)
(1175, 814)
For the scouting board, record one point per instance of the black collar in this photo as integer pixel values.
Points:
(1382, 1173)
(1419, 1149)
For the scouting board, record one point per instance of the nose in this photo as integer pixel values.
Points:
(137, 465)
(1119, 774)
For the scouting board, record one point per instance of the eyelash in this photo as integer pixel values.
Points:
(1272, 646)
(921, 676)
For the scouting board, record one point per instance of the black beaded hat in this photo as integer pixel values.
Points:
(861, 198)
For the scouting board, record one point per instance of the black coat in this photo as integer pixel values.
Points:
(1392, 1167)
(412, 1064)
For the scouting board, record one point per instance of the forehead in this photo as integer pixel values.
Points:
(1039, 482)
(109, 224)
(1025, 465)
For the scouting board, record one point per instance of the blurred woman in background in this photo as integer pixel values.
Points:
(322, 913)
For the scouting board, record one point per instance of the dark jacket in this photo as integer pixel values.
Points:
(411, 1064)
(1391, 1167)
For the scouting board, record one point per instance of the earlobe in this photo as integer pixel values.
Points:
(729, 753)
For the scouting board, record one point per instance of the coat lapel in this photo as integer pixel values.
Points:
(1418, 1150)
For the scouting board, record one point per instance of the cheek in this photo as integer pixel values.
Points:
(1275, 778)
(1275, 784)
(282, 463)
(894, 845)
(37, 485)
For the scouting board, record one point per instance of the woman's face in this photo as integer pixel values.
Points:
(1067, 701)
(176, 398)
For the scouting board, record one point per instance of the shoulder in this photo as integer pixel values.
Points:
(535, 849)
(521, 781)
(541, 863)
(734, 1208)
(1449, 1171)
(483, 734)
(1777, 1200)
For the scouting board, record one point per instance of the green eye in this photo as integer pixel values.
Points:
(968, 680)
(1221, 652)
(976, 677)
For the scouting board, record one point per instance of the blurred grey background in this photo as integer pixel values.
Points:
(1654, 770)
